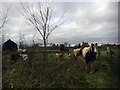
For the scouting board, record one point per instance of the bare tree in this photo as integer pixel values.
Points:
(22, 40)
(40, 15)
(3, 18)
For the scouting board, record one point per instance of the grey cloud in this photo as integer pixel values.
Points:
(83, 23)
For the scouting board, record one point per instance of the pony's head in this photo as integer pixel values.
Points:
(93, 49)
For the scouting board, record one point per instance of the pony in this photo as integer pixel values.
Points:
(64, 52)
(88, 53)
(65, 55)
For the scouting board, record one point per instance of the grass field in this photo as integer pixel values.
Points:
(59, 72)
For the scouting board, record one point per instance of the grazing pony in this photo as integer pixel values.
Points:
(88, 53)
(65, 55)
(64, 52)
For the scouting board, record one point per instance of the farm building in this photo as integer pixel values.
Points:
(9, 45)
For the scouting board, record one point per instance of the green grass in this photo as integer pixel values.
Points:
(59, 72)
(102, 80)
(103, 53)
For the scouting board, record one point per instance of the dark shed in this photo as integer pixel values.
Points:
(9, 45)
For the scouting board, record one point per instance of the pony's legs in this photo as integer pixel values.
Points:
(75, 57)
(91, 67)
(88, 67)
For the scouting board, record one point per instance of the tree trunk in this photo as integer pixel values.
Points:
(45, 46)
(45, 58)
(45, 50)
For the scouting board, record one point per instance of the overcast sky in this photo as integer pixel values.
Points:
(84, 21)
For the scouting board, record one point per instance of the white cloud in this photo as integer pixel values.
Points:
(101, 7)
(96, 27)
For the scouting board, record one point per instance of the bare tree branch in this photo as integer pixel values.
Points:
(4, 19)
